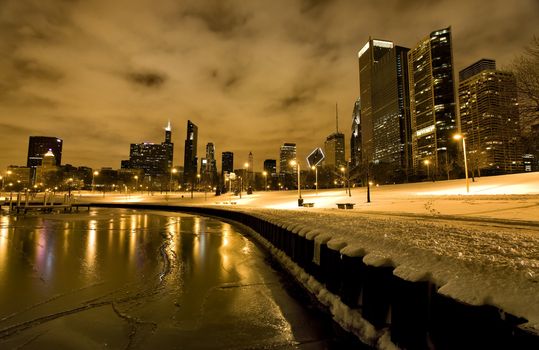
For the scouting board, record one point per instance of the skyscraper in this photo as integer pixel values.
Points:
(190, 156)
(355, 138)
(38, 146)
(368, 56)
(384, 109)
(287, 153)
(227, 162)
(334, 150)
(155, 159)
(391, 114)
(209, 167)
(334, 146)
(168, 145)
(270, 166)
(489, 118)
(432, 102)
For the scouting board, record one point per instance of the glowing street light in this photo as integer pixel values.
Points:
(172, 172)
(94, 174)
(461, 137)
(300, 200)
(265, 173)
(315, 168)
(246, 166)
(427, 163)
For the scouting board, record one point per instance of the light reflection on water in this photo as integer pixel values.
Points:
(188, 276)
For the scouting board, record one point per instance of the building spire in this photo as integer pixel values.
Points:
(168, 128)
(337, 116)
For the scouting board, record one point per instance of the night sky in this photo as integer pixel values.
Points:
(251, 74)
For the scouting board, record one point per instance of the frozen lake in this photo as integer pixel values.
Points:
(137, 280)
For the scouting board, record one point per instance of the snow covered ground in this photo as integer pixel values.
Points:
(480, 247)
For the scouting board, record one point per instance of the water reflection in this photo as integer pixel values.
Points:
(202, 282)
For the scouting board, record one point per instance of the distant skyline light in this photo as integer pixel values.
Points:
(252, 75)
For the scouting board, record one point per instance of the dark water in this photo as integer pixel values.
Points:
(122, 279)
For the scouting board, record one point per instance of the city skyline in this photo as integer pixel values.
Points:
(101, 76)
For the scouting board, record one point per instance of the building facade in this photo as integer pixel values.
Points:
(489, 118)
(227, 163)
(355, 138)
(334, 151)
(391, 115)
(432, 104)
(270, 166)
(368, 57)
(154, 159)
(208, 166)
(39, 145)
(190, 154)
(287, 153)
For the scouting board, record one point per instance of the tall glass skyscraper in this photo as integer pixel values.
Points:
(190, 154)
(38, 146)
(385, 109)
(432, 103)
(355, 138)
(368, 56)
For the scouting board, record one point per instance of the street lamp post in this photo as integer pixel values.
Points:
(136, 183)
(461, 137)
(345, 180)
(427, 163)
(172, 172)
(300, 200)
(368, 186)
(94, 174)
(315, 168)
(246, 166)
(265, 173)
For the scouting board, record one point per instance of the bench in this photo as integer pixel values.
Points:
(309, 205)
(345, 205)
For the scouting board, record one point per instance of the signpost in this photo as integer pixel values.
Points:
(315, 158)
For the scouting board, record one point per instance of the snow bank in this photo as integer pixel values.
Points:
(476, 264)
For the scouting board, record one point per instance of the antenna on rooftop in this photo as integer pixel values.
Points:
(337, 116)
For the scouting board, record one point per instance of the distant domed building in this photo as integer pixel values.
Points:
(48, 174)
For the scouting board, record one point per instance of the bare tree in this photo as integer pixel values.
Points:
(526, 70)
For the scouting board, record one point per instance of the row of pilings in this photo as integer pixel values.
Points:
(417, 316)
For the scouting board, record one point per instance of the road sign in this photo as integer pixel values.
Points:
(315, 157)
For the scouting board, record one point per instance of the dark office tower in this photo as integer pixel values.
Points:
(432, 103)
(355, 138)
(368, 56)
(155, 159)
(270, 166)
(190, 155)
(227, 163)
(39, 145)
(288, 153)
(489, 118)
(391, 115)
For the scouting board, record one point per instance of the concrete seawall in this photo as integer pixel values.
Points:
(417, 316)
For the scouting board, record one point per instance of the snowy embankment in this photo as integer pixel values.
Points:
(476, 265)
(481, 248)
